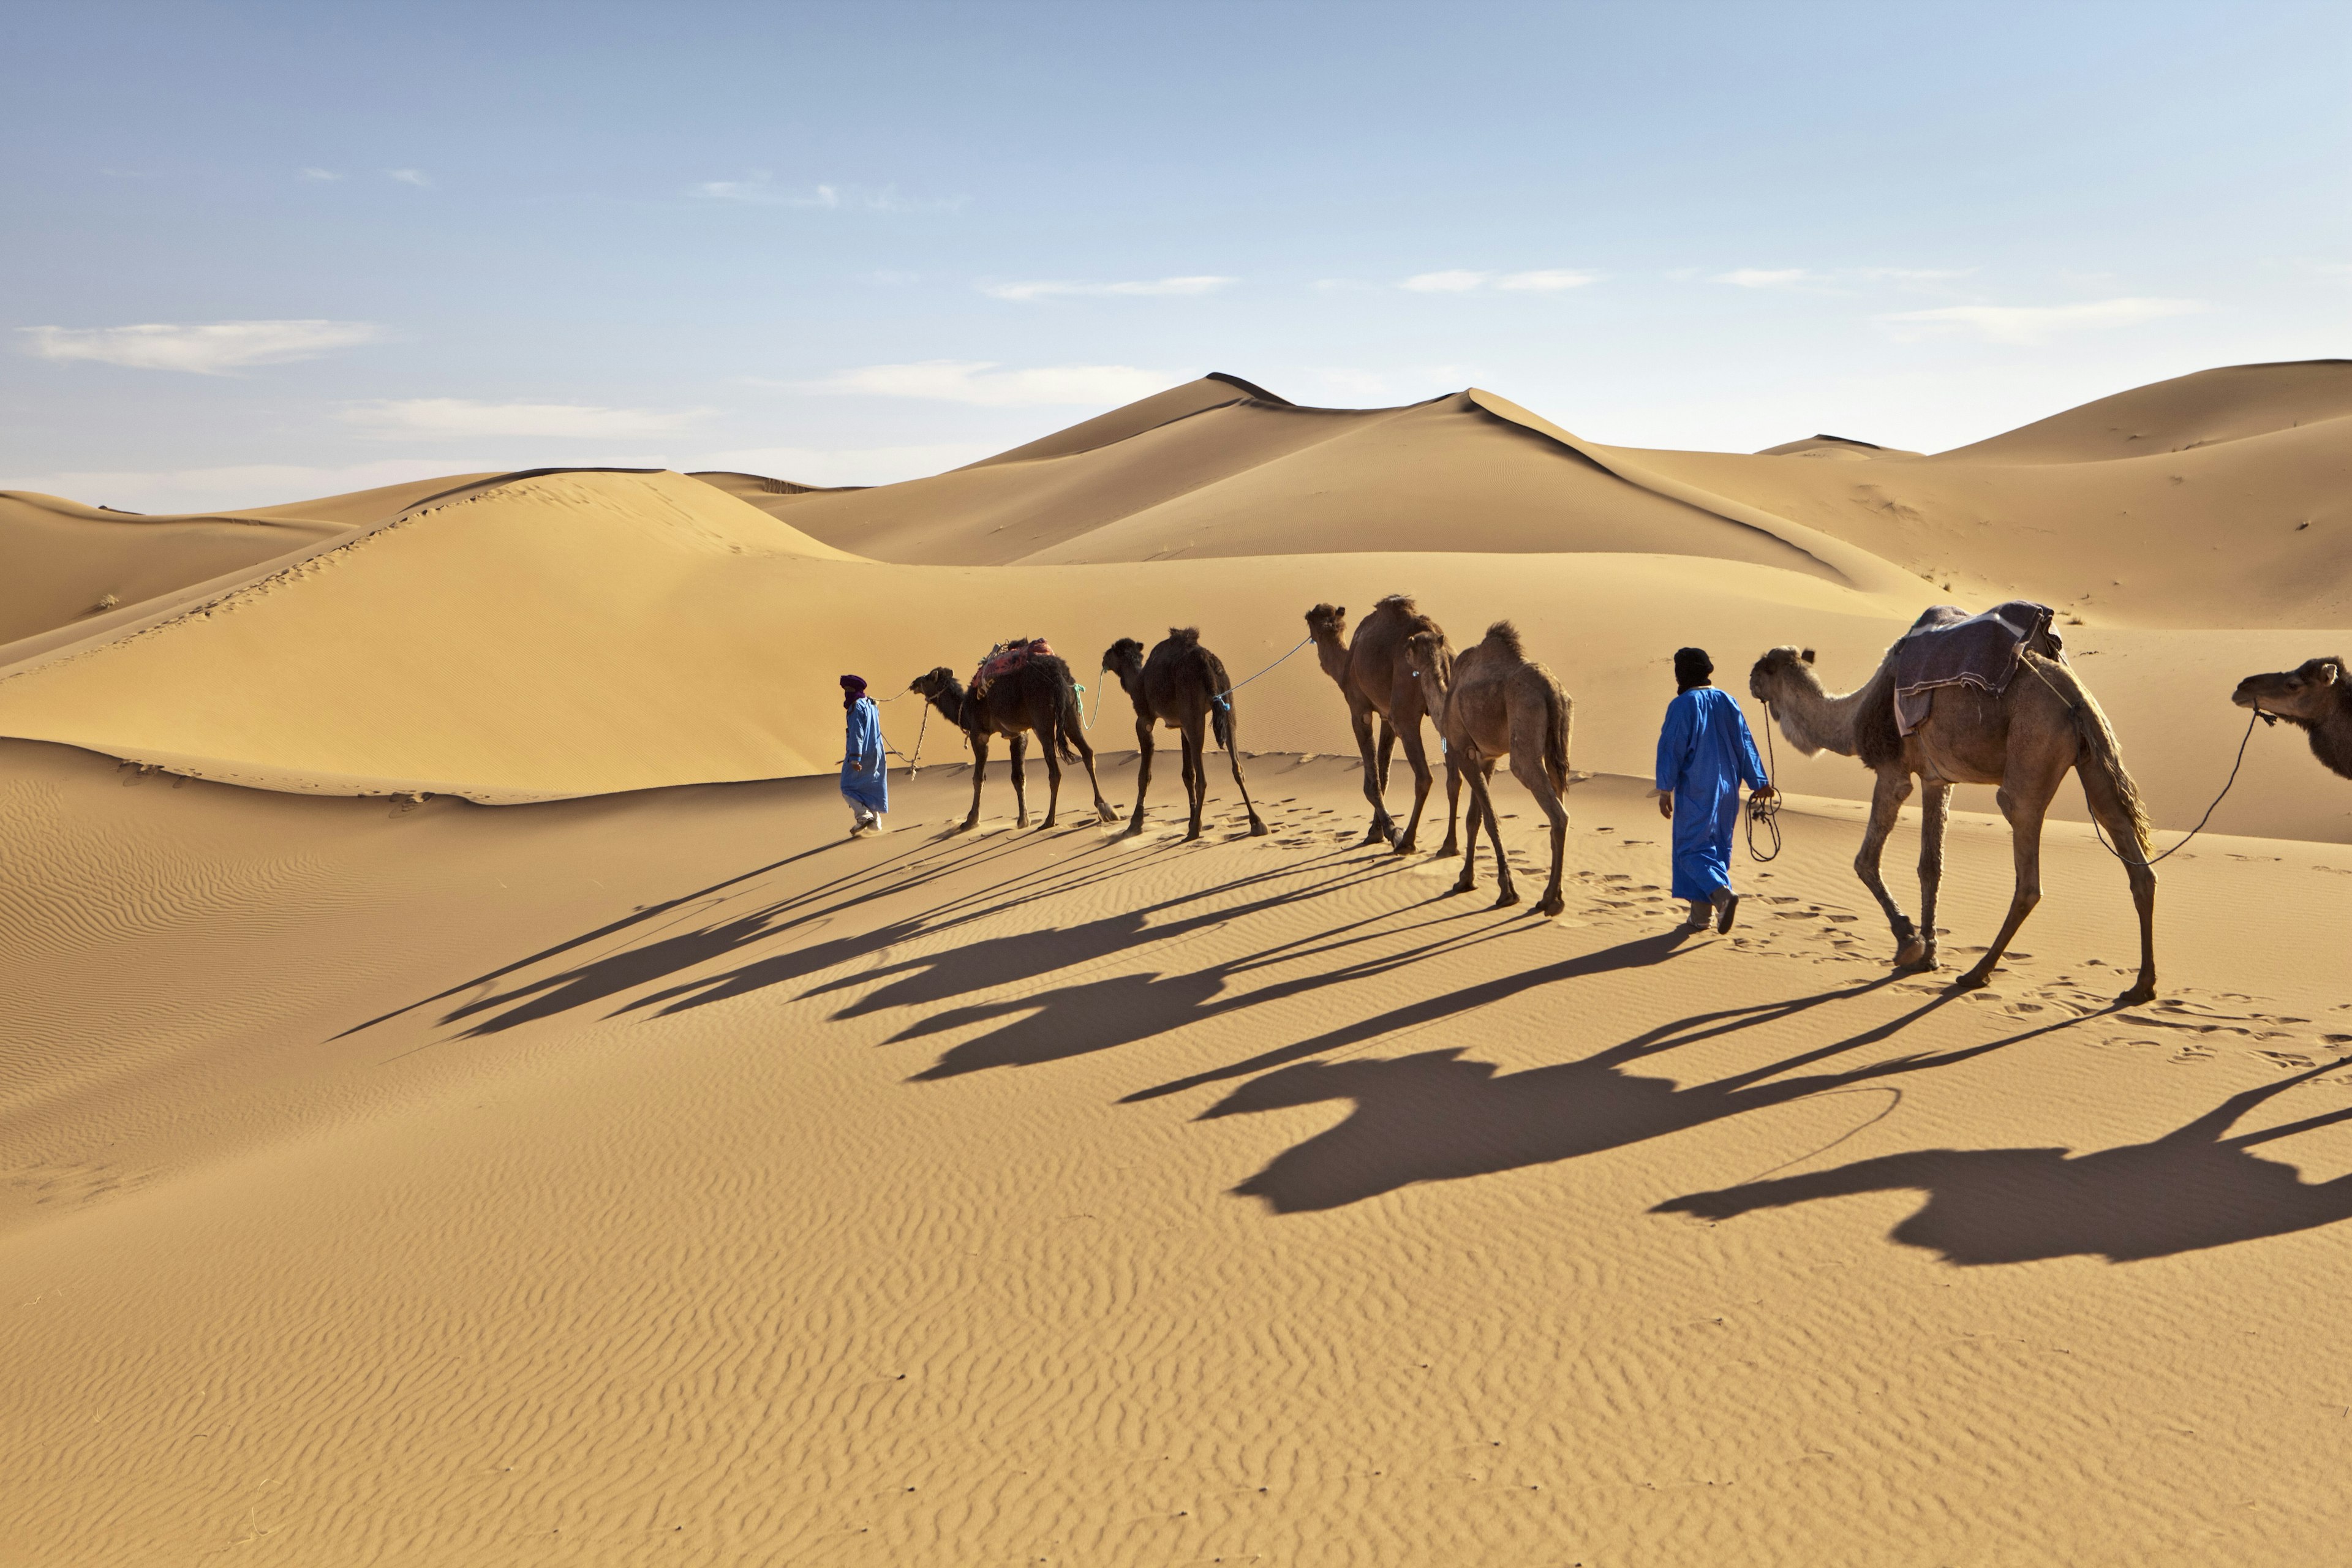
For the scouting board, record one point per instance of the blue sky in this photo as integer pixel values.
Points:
(256, 252)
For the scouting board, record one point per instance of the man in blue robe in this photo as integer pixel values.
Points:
(864, 778)
(1705, 754)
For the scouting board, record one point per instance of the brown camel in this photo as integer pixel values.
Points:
(1493, 701)
(1371, 676)
(2316, 697)
(1039, 696)
(1183, 686)
(2023, 740)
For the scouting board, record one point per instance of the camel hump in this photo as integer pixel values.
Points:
(1402, 603)
(1184, 636)
(1507, 635)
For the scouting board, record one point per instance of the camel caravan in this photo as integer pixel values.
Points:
(1987, 700)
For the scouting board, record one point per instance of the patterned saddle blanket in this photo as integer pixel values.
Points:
(1005, 658)
(1948, 647)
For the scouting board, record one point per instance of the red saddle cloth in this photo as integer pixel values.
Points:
(1005, 658)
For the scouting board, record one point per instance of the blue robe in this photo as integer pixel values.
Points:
(1705, 754)
(871, 788)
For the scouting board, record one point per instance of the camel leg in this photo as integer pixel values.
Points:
(2025, 840)
(1885, 802)
(2109, 810)
(1419, 759)
(1104, 810)
(978, 774)
(1019, 762)
(1453, 807)
(1935, 811)
(1388, 744)
(1483, 783)
(1359, 717)
(1196, 777)
(1257, 826)
(1530, 773)
(1142, 774)
(1469, 878)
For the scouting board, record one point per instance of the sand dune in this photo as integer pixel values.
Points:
(632, 1169)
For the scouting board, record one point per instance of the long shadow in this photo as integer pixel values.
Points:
(1641, 952)
(1095, 1016)
(640, 961)
(2190, 1189)
(995, 960)
(1434, 1117)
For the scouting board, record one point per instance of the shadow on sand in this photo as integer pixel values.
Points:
(2190, 1189)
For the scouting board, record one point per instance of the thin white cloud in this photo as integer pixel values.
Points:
(1546, 280)
(317, 174)
(208, 347)
(1464, 280)
(762, 191)
(414, 417)
(2034, 323)
(1768, 277)
(983, 382)
(1204, 283)
(416, 177)
(1454, 282)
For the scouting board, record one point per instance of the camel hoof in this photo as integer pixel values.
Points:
(1507, 898)
(1258, 829)
(1458, 888)
(1404, 846)
(1974, 980)
(968, 827)
(1446, 851)
(2138, 994)
(1911, 954)
(1194, 834)
(1552, 906)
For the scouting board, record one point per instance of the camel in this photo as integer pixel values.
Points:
(1183, 686)
(1494, 700)
(2316, 697)
(1372, 676)
(2023, 740)
(1039, 696)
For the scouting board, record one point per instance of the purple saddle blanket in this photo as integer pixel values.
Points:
(1947, 646)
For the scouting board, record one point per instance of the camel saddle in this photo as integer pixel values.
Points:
(1949, 646)
(1005, 658)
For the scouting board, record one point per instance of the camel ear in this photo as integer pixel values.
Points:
(2330, 673)
(1807, 656)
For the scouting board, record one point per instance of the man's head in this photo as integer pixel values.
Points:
(1692, 667)
(853, 687)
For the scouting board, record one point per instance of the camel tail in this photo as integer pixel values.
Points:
(2101, 749)
(1070, 718)
(1560, 714)
(1221, 712)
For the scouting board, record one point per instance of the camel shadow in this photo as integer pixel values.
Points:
(644, 947)
(1434, 1116)
(2190, 1189)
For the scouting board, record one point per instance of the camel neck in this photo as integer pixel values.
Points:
(1815, 720)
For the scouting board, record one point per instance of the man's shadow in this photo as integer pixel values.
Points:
(2190, 1189)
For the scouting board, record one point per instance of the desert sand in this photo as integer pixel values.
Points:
(462, 1100)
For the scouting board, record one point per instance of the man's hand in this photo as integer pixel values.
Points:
(1764, 793)
(858, 767)
(1666, 807)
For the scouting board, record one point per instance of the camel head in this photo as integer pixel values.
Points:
(2304, 695)
(1426, 658)
(1328, 623)
(1778, 667)
(936, 683)
(1124, 658)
